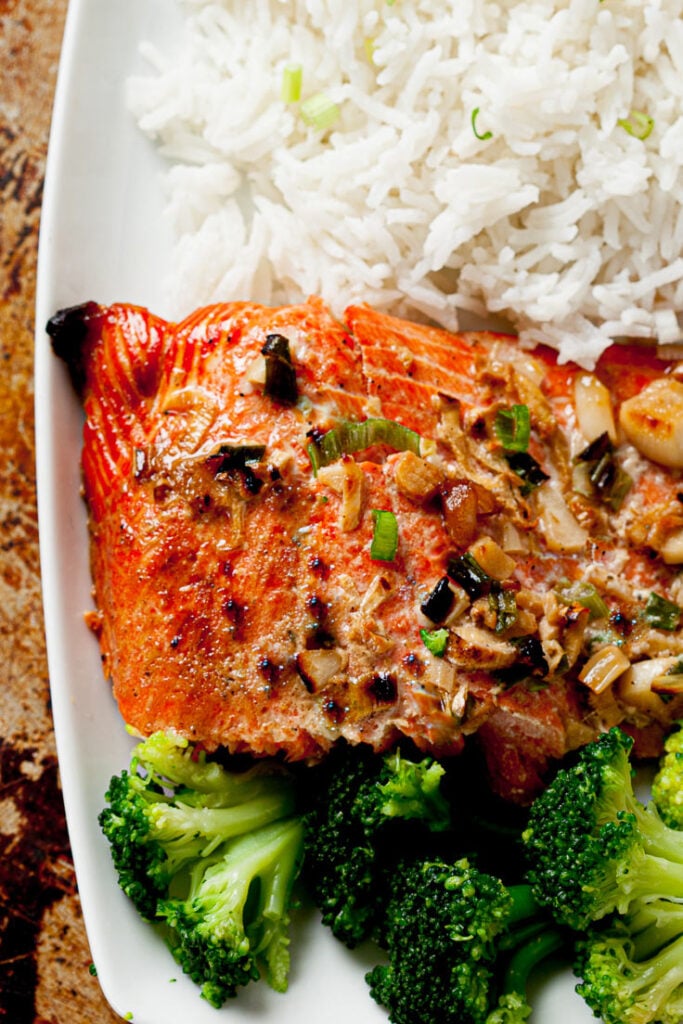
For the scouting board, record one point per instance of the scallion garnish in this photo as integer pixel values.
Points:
(435, 640)
(467, 573)
(602, 476)
(527, 469)
(350, 436)
(583, 594)
(637, 124)
(290, 90)
(512, 427)
(662, 613)
(504, 604)
(280, 374)
(385, 536)
(482, 137)
(234, 456)
(319, 111)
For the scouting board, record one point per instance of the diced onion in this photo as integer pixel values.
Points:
(670, 683)
(604, 667)
(492, 559)
(415, 478)
(346, 478)
(317, 667)
(379, 590)
(635, 687)
(560, 528)
(200, 409)
(671, 550)
(593, 408)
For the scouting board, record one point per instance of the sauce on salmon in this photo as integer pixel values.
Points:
(237, 467)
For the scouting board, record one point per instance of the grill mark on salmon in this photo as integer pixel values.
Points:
(237, 606)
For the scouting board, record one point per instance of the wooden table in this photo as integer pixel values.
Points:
(44, 955)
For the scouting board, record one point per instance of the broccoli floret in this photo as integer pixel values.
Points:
(180, 825)
(667, 785)
(362, 809)
(593, 848)
(444, 923)
(234, 919)
(632, 970)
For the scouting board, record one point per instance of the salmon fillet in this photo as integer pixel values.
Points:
(232, 511)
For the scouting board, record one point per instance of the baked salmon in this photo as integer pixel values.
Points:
(305, 531)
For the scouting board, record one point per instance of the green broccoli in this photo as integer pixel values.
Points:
(235, 916)
(667, 785)
(632, 970)
(361, 809)
(180, 827)
(608, 866)
(446, 925)
(592, 847)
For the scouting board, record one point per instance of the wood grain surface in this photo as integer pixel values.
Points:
(44, 956)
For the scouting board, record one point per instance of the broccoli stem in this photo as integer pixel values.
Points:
(647, 875)
(653, 925)
(524, 904)
(173, 822)
(528, 956)
(658, 839)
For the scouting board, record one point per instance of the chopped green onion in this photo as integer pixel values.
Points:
(234, 457)
(504, 604)
(602, 475)
(319, 111)
(512, 427)
(527, 469)
(585, 595)
(290, 90)
(637, 124)
(485, 135)
(385, 536)
(435, 640)
(350, 436)
(467, 573)
(280, 374)
(662, 613)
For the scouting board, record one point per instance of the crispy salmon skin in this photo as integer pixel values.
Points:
(304, 530)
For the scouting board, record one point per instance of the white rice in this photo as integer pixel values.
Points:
(561, 221)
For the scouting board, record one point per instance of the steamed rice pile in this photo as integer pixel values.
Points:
(522, 159)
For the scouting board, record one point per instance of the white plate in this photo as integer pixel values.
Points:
(102, 238)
